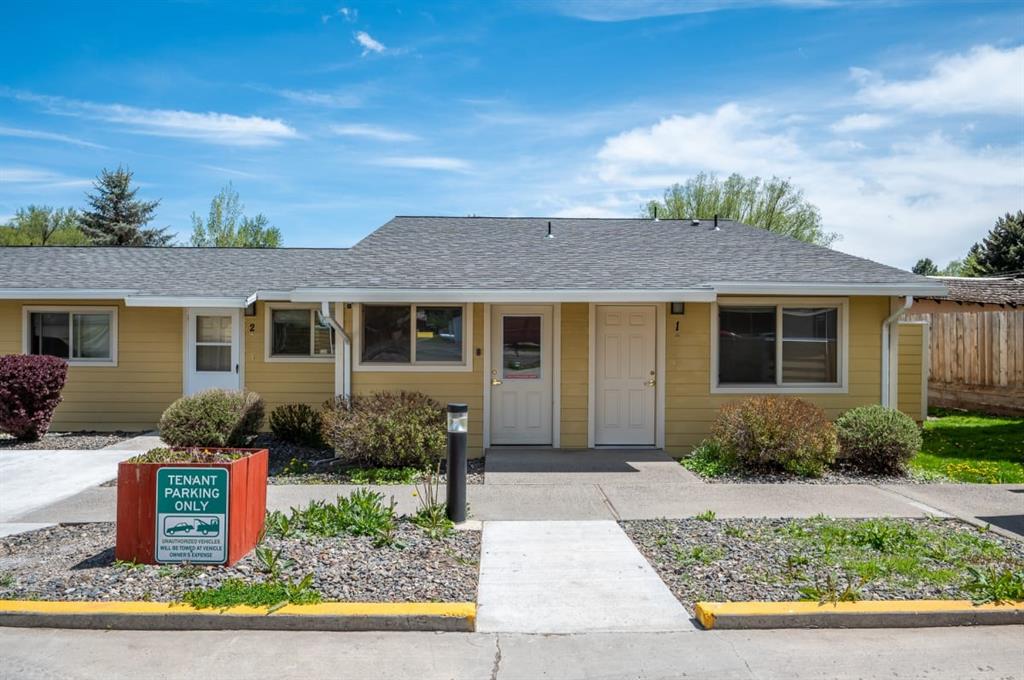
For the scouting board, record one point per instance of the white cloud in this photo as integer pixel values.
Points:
(376, 132)
(348, 13)
(925, 195)
(35, 177)
(368, 43)
(216, 128)
(425, 163)
(861, 122)
(629, 10)
(48, 136)
(984, 80)
(335, 100)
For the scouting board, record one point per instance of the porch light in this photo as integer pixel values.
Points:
(458, 418)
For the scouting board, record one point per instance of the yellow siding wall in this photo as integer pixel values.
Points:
(911, 364)
(575, 374)
(282, 382)
(129, 396)
(443, 386)
(690, 407)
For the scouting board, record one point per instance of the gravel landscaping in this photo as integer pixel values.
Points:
(820, 558)
(76, 562)
(297, 464)
(67, 441)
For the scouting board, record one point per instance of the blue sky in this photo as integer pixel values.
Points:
(902, 121)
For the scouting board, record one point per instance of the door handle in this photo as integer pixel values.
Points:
(495, 380)
(651, 383)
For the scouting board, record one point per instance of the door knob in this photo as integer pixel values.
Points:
(495, 380)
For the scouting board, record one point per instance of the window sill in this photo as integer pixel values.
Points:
(780, 389)
(412, 368)
(93, 364)
(328, 359)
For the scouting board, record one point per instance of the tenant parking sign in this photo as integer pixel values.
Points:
(192, 515)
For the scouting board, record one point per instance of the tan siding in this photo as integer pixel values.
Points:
(690, 407)
(129, 396)
(575, 371)
(282, 382)
(443, 386)
(911, 358)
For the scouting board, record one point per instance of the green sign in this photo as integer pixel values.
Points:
(192, 515)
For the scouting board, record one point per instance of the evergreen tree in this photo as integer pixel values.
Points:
(227, 227)
(925, 267)
(1002, 251)
(116, 218)
(776, 205)
(43, 226)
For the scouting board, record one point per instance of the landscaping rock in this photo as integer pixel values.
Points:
(63, 441)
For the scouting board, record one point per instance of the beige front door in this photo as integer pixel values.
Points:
(521, 374)
(624, 373)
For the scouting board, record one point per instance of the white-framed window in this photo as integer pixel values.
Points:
(779, 345)
(297, 332)
(412, 337)
(84, 336)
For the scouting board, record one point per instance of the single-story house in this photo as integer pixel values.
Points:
(975, 340)
(569, 333)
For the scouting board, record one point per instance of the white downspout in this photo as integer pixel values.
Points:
(346, 351)
(886, 342)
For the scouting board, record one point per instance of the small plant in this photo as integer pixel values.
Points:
(269, 560)
(30, 390)
(735, 532)
(776, 433)
(995, 585)
(298, 424)
(278, 524)
(828, 590)
(273, 594)
(432, 515)
(383, 475)
(876, 439)
(709, 459)
(188, 455)
(6, 579)
(129, 565)
(698, 554)
(706, 516)
(362, 513)
(387, 429)
(212, 418)
(295, 466)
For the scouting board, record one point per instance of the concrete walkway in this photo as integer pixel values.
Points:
(525, 465)
(570, 577)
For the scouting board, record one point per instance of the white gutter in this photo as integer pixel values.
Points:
(887, 329)
(171, 301)
(346, 353)
(413, 295)
(64, 293)
(922, 289)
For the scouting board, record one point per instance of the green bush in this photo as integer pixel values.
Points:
(771, 433)
(877, 439)
(387, 429)
(298, 424)
(214, 418)
(709, 459)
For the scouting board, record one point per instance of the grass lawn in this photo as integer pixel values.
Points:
(972, 447)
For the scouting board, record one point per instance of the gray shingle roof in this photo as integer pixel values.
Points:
(497, 253)
(484, 253)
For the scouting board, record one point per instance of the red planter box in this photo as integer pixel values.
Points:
(137, 505)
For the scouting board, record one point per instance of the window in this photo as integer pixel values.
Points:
(299, 333)
(520, 347)
(213, 343)
(82, 336)
(412, 335)
(771, 347)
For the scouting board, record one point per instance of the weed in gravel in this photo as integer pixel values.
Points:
(698, 554)
(706, 516)
(432, 515)
(6, 579)
(269, 560)
(828, 589)
(362, 513)
(129, 565)
(274, 594)
(295, 466)
(708, 459)
(384, 475)
(995, 585)
(735, 532)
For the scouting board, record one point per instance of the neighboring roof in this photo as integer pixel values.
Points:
(192, 272)
(631, 254)
(421, 256)
(999, 290)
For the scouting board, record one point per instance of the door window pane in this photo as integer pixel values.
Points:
(520, 347)
(290, 332)
(50, 334)
(213, 358)
(386, 334)
(746, 345)
(810, 345)
(213, 329)
(439, 334)
(91, 336)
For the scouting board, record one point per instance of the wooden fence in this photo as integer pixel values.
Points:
(976, 359)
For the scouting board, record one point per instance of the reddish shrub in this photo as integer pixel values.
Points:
(29, 392)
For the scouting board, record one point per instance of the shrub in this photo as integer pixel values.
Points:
(776, 433)
(708, 459)
(30, 388)
(298, 424)
(387, 429)
(877, 439)
(213, 418)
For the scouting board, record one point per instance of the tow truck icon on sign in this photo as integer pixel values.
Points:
(191, 525)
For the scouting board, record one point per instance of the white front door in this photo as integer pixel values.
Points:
(624, 372)
(521, 380)
(212, 349)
